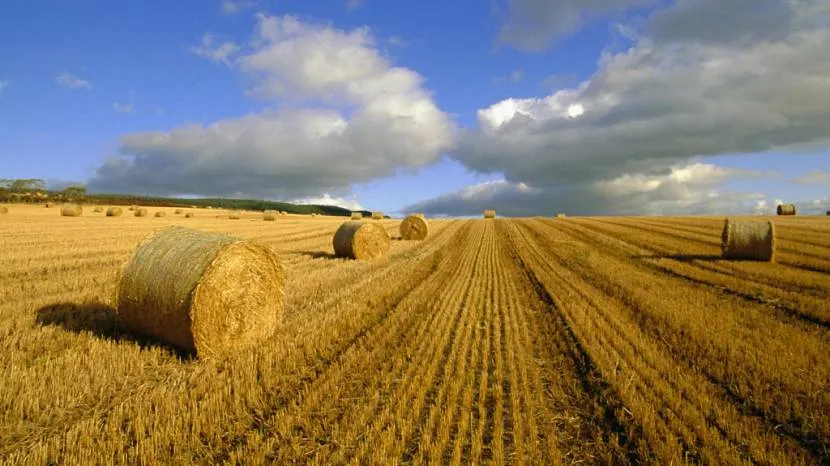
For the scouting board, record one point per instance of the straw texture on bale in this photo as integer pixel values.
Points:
(357, 215)
(178, 211)
(361, 240)
(489, 214)
(98, 209)
(234, 215)
(269, 215)
(377, 215)
(202, 292)
(160, 213)
(786, 209)
(141, 212)
(414, 227)
(748, 240)
(4, 209)
(114, 212)
(188, 215)
(71, 210)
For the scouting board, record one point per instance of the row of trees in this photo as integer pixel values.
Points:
(34, 190)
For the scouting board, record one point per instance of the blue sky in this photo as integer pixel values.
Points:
(526, 106)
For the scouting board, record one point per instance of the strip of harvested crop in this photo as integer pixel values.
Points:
(797, 293)
(743, 354)
(157, 420)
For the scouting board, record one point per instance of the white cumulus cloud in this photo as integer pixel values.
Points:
(70, 81)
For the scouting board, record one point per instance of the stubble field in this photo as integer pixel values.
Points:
(507, 341)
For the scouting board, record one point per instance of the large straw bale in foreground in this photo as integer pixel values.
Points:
(361, 240)
(114, 212)
(489, 214)
(414, 227)
(749, 240)
(269, 215)
(202, 292)
(357, 215)
(71, 210)
(786, 209)
(141, 212)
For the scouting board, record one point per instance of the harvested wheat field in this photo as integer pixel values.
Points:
(507, 341)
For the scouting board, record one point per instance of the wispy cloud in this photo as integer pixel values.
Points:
(397, 41)
(70, 81)
(814, 177)
(230, 7)
(125, 109)
(354, 3)
(514, 77)
(210, 49)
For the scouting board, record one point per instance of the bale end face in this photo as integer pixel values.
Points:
(202, 292)
(71, 210)
(748, 240)
(414, 227)
(786, 209)
(361, 240)
(141, 212)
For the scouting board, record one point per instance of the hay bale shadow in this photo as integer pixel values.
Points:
(681, 257)
(318, 254)
(100, 320)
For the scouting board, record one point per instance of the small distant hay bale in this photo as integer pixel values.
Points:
(787, 209)
(489, 214)
(561, 215)
(48, 205)
(4, 209)
(828, 212)
(114, 212)
(71, 210)
(188, 215)
(98, 209)
(314, 214)
(377, 215)
(131, 208)
(141, 212)
(160, 213)
(269, 215)
(748, 240)
(361, 240)
(357, 215)
(234, 215)
(202, 292)
(178, 211)
(414, 227)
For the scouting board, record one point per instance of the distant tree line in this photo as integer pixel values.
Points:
(29, 190)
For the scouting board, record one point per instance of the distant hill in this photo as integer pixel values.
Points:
(220, 203)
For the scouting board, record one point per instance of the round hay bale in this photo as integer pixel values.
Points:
(48, 205)
(748, 240)
(131, 208)
(414, 227)
(160, 213)
(787, 209)
(234, 215)
(560, 215)
(71, 210)
(178, 211)
(357, 215)
(377, 215)
(141, 212)
(828, 212)
(98, 209)
(4, 209)
(269, 215)
(361, 240)
(188, 215)
(114, 212)
(202, 292)
(489, 214)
